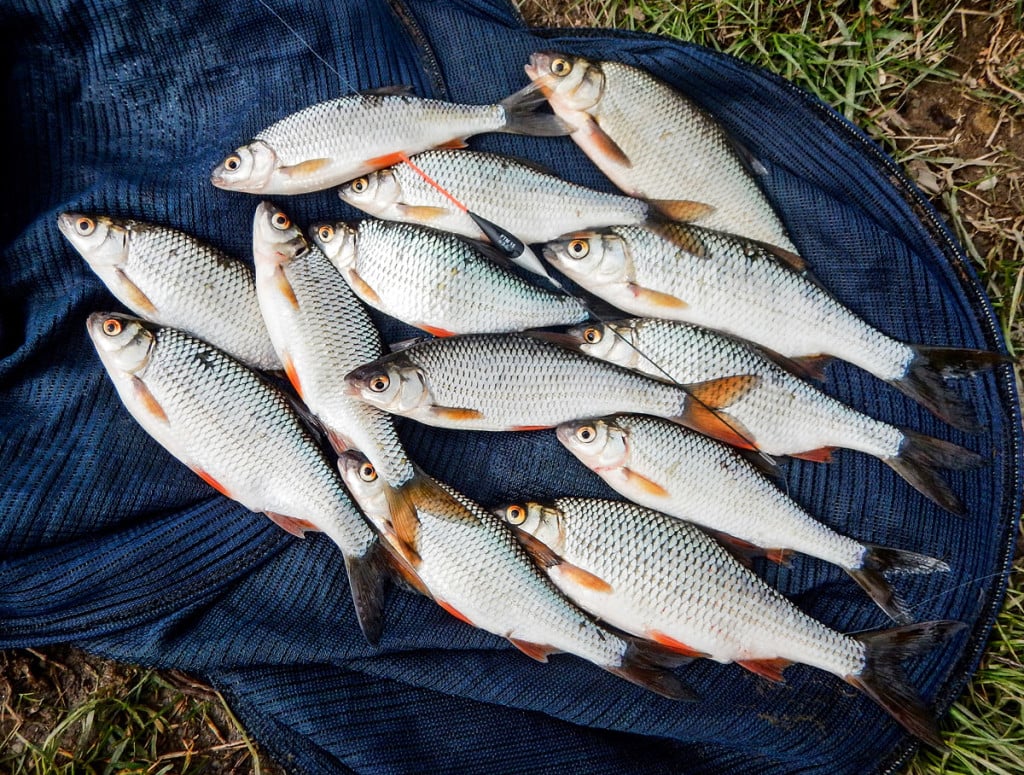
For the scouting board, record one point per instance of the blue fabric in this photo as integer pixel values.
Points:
(106, 542)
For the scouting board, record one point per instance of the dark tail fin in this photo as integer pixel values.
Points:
(879, 560)
(521, 117)
(924, 380)
(648, 664)
(883, 680)
(367, 576)
(918, 457)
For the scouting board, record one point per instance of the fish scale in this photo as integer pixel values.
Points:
(507, 382)
(675, 149)
(441, 283)
(322, 332)
(535, 206)
(169, 277)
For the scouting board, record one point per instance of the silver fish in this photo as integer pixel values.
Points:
(534, 205)
(654, 143)
(322, 332)
(326, 144)
(439, 282)
(500, 382)
(688, 476)
(783, 415)
(240, 435)
(168, 277)
(657, 577)
(720, 281)
(468, 561)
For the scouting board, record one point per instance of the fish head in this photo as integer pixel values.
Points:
(249, 168)
(102, 241)
(600, 444)
(366, 486)
(610, 341)
(569, 82)
(276, 240)
(337, 240)
(542, 522)
(124, 343)
(393, 383)
(376, 193)
(590, 257)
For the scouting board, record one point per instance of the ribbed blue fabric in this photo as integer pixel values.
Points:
(106, 542)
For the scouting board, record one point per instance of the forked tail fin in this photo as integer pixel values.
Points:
(521, 117)
(923, 380)
(917, 460)
(367, 577)
(879, 560)
(648, 664)
(883, 680)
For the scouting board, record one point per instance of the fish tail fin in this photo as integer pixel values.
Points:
(879, 560)
(367, 577)
(648, 664)
(883, 680)
(923, 380)
(917, 460)
(522, 118)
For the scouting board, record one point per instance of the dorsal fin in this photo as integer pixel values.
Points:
(395, 90)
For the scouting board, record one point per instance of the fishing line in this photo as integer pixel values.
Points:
(515, 249)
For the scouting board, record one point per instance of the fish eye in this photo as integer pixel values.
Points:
(325, 233)
(367, 472)
(586, 433)
(592, 335)
(85, 226)
(515, 515)
(380, 383)
(561, 67)
(359, 185)
(578, 248)
(111, 326)
(281, 221)
(232, 163)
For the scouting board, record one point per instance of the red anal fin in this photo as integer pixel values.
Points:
(702, 419)
(674, 645)
(641, 482)
(722, 393)
(308, 167)
(822, 455)
(458, 142)
(212, 482)
(604, 144)
(530, 427)
(148, 400)
(139, 301)
(362, 288)
(657, 298)
(290, 371)
(456, 414)
(454, 612)
(297, 527)
(387, 160)
(285, 287)
(435, 331)
(766, 668)
(538, 651)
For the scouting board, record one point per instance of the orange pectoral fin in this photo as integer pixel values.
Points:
(297, 527)
(766, 668)
(779, 556)
(285, 287)
(530, 427)
(583, 578)
(405, 523)
(538, 651)
(657, 298)
(139, 301)
(641, 482)
(703, 420)
(821, 455)
(387, 160)
(455, 613)
(674, 645)
(435, 331)
(148, 400)
(308, 167)
(722, 393)
(423, 212)
(605, 144)
(362, 288)
(682, 209)
(292, 374)
(455, 414)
